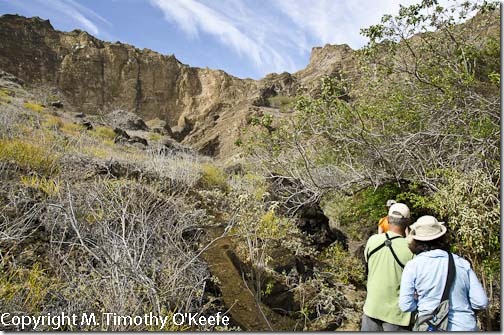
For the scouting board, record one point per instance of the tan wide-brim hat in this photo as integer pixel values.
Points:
(426, 228)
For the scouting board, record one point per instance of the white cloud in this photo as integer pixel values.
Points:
(234, 24)
(83, 16)
(271, 32)
(337, 21)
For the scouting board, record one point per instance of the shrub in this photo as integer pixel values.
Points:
(27, 287)
(96, 152)
(53, 122)
(104, 133)
(345, 267)
(5, 96)
(72, 128)
(29, 156)
(470, 202)
(280, 101)
(48, 186)
(34, 106)
(360, 213)
(213, 177)
(155, 136)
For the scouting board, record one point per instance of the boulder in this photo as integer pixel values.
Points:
(312, 221)
(138, 139)
(310, 217)
(123, 137)
(119, 170)
(86, 124)
(126, 120)
(56, 104)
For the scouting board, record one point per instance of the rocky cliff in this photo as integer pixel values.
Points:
(205, 108)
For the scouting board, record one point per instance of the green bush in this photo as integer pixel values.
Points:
(281, 101)
(345, 267)
(359, 214)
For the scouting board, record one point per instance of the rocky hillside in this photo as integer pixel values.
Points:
(203, 108)
(107, 212)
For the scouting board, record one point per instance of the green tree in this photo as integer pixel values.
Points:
(424, 111)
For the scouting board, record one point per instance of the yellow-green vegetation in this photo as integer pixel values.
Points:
(53, 122)
(272, 226)
(359, 214)
(345, 268)
(96, 151)
(469, 203)
(104, 133)
(213, 177)
(155, 136)
(48, 186)
(57, 123)
(29, 155)
(72, 129)
(429, 137)
(27, 287)
(281, 101)
(36, 107)
(5, 96)
(260, 186)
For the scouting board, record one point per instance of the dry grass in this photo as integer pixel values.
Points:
(5, 96)
(213, 177)
(30, 156)
(48, 186)
(27, 287)
(104, 133)
(33, 106)
(155, 137)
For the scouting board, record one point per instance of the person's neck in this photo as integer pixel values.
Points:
(397, 230)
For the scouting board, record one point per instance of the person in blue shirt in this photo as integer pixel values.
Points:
(424, 278)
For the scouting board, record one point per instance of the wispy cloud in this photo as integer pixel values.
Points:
(69, 10)
(84, 16)
(269, 32)
(233, 24)
(337, 22)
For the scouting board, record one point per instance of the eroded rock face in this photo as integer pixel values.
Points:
(204, 108)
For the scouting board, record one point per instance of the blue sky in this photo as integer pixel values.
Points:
(246, 38)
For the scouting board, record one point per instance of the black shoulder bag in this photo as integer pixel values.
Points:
(438, 319)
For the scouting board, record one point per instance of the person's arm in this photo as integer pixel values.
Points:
(407, 298)
(477, 295)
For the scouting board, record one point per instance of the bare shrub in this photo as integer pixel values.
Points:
(123, 247)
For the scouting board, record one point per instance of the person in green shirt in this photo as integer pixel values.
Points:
(386, 254)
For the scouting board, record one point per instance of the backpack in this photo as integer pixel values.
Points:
(437, 320)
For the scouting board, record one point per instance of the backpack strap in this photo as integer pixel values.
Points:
(449, 278)
(446, 292)
(387, 243)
